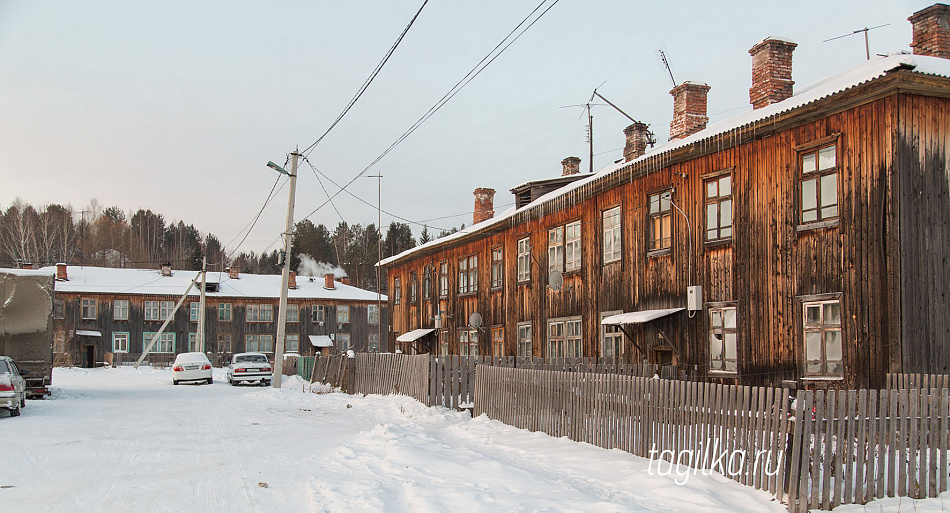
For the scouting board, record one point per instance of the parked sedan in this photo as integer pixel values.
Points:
(191, 367)
(12, 386)
(247, 367)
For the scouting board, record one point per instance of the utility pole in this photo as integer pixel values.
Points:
(285, 272)
(200, 343)
(379, 258)
(590, 127)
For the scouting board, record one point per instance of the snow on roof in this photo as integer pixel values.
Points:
(834, 84)
(29, 272)
(150, 281)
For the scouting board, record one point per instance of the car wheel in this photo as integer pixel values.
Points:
(15, 412)
(210, 380)
(23, 402)
(265, 383)
(230, 381)
(174, 382)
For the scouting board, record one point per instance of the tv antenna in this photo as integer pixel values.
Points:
(666, 64)
(867, 46)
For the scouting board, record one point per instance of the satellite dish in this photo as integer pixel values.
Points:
(555, 280)
(475, 320)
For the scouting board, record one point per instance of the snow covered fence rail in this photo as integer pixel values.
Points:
(852, 446)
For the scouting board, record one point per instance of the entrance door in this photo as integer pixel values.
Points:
(663, 356)
(88, 356)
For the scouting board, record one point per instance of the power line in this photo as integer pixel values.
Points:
(465, 80)
(270, 196)
(366, 83)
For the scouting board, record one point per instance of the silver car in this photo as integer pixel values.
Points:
(12, 386)
(247, 367)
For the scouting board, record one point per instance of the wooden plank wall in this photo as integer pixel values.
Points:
(853, 446)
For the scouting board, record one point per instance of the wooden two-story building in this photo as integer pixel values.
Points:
(804, 240)
(100, 310)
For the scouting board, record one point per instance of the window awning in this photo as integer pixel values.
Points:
(320, 341)
(641, 317)
(412, 336)
(88, 333)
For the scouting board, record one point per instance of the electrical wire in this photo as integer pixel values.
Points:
(247, 230)
(367, 82)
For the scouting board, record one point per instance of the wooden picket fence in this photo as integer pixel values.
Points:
(852, 446)
(323, 369)
(386, 373)
(738, 431)
(908, 381)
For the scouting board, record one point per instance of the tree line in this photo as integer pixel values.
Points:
(108, 237)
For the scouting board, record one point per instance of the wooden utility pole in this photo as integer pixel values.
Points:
(285, 272)
(379, 258)
(200, 343)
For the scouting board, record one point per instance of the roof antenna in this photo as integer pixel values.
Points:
(666, 64)
(867, 46)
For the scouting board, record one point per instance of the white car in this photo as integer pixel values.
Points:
(191, 367)
(250, 367)
(12, 386)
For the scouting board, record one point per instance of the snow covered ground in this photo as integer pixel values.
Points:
(126, 440)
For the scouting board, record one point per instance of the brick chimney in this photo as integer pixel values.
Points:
(638, 135)
(328, 281)
(484, 205)
(234, 272)
(345, 280)
(61, 272)
(26, 265)
(771, 71)
(572, 166)
(932, 31)
(166, 269)
(689, 109)
(292, 281)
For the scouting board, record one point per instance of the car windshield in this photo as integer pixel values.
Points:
(4, 369)
(252, 358)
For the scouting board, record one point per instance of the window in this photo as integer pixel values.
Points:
(611, 338)
(293, 313)
(719, 208)
(165, 309)
(497, 268)
(468, 342)
(555, 340)
(443, 279)
(120, 342)
(267, 313)
(498, 342)
(343, 314)
(59, 309)
(722, 339)
(823, 351)
(224, 312)
(224, 342)
(556, 249)
(252, 313)
(575, 342)
(413, 288)
(612, 242)
(318, 314)
(194, 311)
(426, 283)
(343, 341)
(192, 342)
(397, 290)
(373, 341)
(661, 221)
(262, 343)
(524, 260)
(292, 342)
(572, 246)
(120, 310)
(151, 310)
(372, 314)
(88, 308)
(819, 184)
(164, 344)
(468, 275)
(524, 340)
(444, 342)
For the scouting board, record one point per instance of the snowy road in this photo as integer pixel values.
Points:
(125, 440)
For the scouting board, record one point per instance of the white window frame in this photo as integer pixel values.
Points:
(342, 314)
(613, 235)
(611, 338)
(497, 268)
(822, 174)
(293, 312)
(252, 313)
(372, 314)
(372, 341)
(556, 249)
(165, 309)
(525, 345)
(267, 313)
(556, 339)
(120, 310)
(224, 312)
(822, 328)
(292, 342)
(660, 225)
(574, 338)
(152, 310)
(443, 279)
(89, 308)
(524, 259)
(194, 311)
(343, 341)
(723, 339)
(120, 342)
(468, 342)
(318, 314)
(192, 342)
(718, 194)
(397, 290)
(165, 343)
(572, 246)
(413, 287)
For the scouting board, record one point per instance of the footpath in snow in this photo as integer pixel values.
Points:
(127, 440)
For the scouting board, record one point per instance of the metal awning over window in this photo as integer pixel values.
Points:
(412, 336)
(88, 333)
(320, 341)
(641, 317)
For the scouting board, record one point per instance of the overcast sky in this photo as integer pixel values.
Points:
(177, 106)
